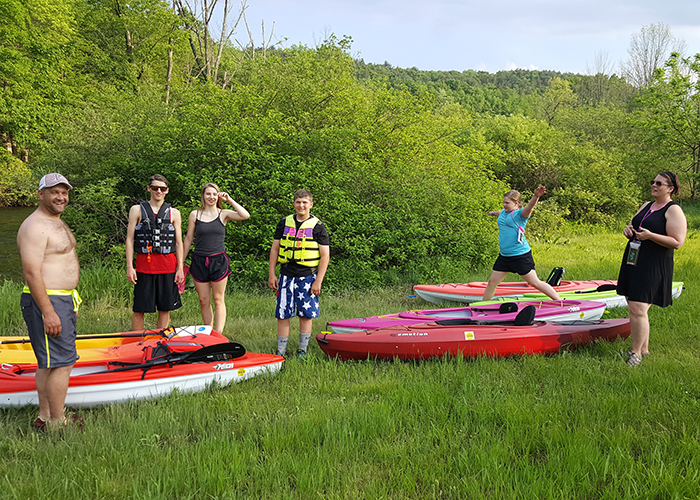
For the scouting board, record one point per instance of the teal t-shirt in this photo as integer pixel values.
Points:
(508, 226)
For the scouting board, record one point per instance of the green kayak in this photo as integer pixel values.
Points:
(604, 293)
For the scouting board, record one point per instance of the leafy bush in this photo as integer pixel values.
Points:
(389, 182)
(17, 187)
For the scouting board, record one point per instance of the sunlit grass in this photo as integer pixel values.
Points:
(578, 424)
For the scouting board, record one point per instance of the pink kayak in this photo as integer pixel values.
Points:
(474, 291)
(546, 310)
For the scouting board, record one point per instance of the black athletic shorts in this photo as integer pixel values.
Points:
(206, 268)
(156, 292)
(518, 264)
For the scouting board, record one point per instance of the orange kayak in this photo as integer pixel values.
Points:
(18, 350)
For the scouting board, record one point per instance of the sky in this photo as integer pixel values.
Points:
(488, 35)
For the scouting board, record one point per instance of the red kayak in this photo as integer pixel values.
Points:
(460, 337)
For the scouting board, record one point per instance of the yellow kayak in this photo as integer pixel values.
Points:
(18, 350)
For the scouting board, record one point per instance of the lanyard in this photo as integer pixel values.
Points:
(650, 211)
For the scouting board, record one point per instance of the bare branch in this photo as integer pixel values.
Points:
(648, 51)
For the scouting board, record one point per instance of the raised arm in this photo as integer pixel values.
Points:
(238, 213)
(527, 211)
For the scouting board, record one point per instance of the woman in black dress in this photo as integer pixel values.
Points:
(646, 273)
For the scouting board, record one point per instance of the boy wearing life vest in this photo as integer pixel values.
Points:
(155, 235)
(301, 247)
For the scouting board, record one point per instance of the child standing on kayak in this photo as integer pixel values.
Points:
(515, 255)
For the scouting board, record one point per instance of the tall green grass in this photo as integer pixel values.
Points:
(579, 424)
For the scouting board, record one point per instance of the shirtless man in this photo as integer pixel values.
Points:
(154, 234)
(50, 301)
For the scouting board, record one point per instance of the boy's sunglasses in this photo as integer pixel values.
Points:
(659, 183)
(162, 189)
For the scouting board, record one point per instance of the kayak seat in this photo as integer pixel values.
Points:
(525, 317)
(507, 307)
(554, 278)
(456, 322)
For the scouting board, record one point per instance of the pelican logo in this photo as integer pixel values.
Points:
(241, 372)
(581, 315)
(223, 366)
(468, 335)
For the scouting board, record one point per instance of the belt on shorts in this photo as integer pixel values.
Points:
(73, 293)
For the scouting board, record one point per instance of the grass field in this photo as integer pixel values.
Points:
(579, 424)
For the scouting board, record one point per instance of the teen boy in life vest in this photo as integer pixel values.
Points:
(301, 247)
(155, 235)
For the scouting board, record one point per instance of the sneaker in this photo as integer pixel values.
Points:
(278, 353)
(301, 354)
(39, 424)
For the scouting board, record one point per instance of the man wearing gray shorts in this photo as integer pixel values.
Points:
(50, 300)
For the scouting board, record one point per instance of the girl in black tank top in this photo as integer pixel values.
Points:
(210, 264)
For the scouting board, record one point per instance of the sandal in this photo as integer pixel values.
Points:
(630, 352)
(634, 360)
(39, 425)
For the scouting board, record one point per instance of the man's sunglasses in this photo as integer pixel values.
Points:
(162, 189)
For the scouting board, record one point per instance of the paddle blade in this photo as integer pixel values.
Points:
(606, 288)
(216, 352)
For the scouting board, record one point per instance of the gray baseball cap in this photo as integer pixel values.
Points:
(51, 180)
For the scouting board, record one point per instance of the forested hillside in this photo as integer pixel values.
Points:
(403, 163)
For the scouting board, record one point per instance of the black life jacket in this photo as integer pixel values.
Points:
(155, 233)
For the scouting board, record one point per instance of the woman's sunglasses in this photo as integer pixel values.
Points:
(659, 183)
(162, 189)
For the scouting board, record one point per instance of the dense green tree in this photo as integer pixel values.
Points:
(36, 39)
(125, 43)
(557, 97)
(16, 185)
(395, 190)
(670, 117)
(585, 182)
